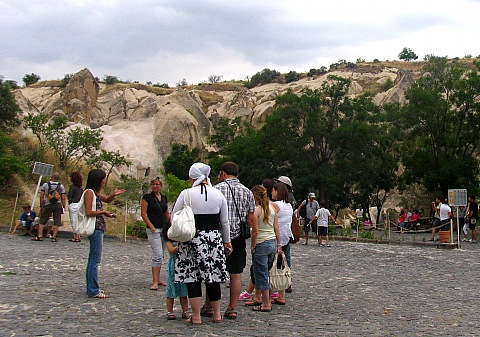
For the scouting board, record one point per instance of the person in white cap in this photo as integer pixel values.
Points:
(286, 180)
(202, 259)
(311, 207)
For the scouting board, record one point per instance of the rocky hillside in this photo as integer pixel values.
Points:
(142, 121)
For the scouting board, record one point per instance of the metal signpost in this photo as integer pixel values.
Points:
(456, 198)
(42, 170)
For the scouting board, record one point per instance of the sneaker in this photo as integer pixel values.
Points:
(464, 240)
(473, 241)
(470, 240)
(329, 246)
(274, 295)
(244, 296)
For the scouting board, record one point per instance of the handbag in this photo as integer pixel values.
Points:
(279, 274)
(295, 230)
(244, 228)
(183, 221)
(85, 225)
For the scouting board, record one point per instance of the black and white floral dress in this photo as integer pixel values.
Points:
(202, 259)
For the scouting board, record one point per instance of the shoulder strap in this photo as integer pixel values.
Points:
(234, 202)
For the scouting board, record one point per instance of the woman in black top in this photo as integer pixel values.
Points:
(73, 196)
(155, 213)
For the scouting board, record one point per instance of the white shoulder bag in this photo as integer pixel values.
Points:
(279, 274)
(183, 221)
(85, 225)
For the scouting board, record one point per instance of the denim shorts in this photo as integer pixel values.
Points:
(262, 258)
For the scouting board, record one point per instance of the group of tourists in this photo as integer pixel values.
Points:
(218, 251)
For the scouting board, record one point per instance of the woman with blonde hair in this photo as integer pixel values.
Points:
(267, 245)
(155, 214)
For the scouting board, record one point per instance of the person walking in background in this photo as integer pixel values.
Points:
(280, 196)
(93, 189)
(322, 217)
(74, 194)
(52, 202)
(462, 224)
(173, 289)
(202, 259)
(311, 207)
(436, 217)
(472, 217)
(155, 213)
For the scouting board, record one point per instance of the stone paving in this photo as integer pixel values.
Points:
(350, 289)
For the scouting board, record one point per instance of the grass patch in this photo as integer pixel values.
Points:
(138, 86)
(8, 273)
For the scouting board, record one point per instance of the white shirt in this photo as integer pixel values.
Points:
(285, 221)
(444, 210)
(216, 203)
(322, 217)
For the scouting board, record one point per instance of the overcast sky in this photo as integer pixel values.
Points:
(168, 40)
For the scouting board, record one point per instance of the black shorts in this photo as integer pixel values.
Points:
(322, 231)
(237, 261)
(306, 225)
(471, 225)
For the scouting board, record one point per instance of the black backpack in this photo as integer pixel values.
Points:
(303, 210)
(53, 195)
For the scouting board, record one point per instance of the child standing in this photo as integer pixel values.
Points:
(173, 289)
(322, 217)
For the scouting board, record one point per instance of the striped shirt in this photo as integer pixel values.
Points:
(243, 199)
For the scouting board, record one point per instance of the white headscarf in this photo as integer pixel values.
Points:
(199, 172)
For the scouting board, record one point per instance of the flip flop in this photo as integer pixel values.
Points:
(276, 301)
(162, 284)
(260, 309)
(230, 314)
(190, 321)
(206, 312)
(153, 288)
(252, 303)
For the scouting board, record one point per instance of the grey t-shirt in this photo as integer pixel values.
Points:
(311, 208)
(54, 185)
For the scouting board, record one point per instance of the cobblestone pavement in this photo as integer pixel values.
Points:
(350, 289)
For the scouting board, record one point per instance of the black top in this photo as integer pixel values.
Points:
(156, 209)
(207, 221)
(74, 194)
(474, 209)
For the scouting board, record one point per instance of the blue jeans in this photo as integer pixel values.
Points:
(286, 251)
(262, 258)
(94, 258)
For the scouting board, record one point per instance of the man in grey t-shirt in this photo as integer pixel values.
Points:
(311, 207)
(52, 202)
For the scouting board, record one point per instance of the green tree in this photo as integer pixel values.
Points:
(407, 54)
(9, 109)
(440, 124)
(29, 79)
(263, 77)
(292, 76)
(180, 159)
(109, 79)
(11, 163)
(108, 159)
(69, 145)
(214, 78)
(38, 125)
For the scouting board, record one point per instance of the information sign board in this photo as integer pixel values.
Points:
(457, 197)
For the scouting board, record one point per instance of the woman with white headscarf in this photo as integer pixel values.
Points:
(202, 259)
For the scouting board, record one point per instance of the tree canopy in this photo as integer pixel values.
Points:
(440, 124)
